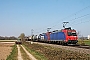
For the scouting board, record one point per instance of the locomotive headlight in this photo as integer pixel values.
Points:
(74, 36)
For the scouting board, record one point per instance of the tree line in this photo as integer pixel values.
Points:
(8, 38)
(22, 37)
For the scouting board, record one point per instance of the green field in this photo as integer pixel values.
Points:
(14, 53)
(86, 42)
(42, 52)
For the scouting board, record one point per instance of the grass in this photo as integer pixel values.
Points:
(8, 40)
(36, 54)
(14, 53)
(52, 53)
(24, 55)
(86, 42)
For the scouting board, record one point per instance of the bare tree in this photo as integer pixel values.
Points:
(22, 36)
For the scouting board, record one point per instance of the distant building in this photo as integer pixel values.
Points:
(88, 36)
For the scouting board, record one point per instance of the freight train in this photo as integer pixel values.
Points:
(64, 36)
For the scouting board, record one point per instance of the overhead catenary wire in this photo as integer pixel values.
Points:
(76, 18)
(77, 23)
(81, 22)
(71, 15)
(85, 18)
(55, 24)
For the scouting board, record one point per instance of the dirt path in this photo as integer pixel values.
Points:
(30, 56)
(19, 53)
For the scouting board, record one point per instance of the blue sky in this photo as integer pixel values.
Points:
(20, 16)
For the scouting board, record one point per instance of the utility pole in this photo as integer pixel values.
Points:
(32, 31)
(64, 24)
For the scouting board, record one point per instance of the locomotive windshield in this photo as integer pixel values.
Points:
(72, 34)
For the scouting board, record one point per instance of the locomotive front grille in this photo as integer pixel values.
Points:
(72, 41)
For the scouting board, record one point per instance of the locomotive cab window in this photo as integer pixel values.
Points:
(72, 34)
(69, 33)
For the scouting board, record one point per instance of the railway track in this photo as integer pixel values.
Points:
(73, 45)
(81, 46)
